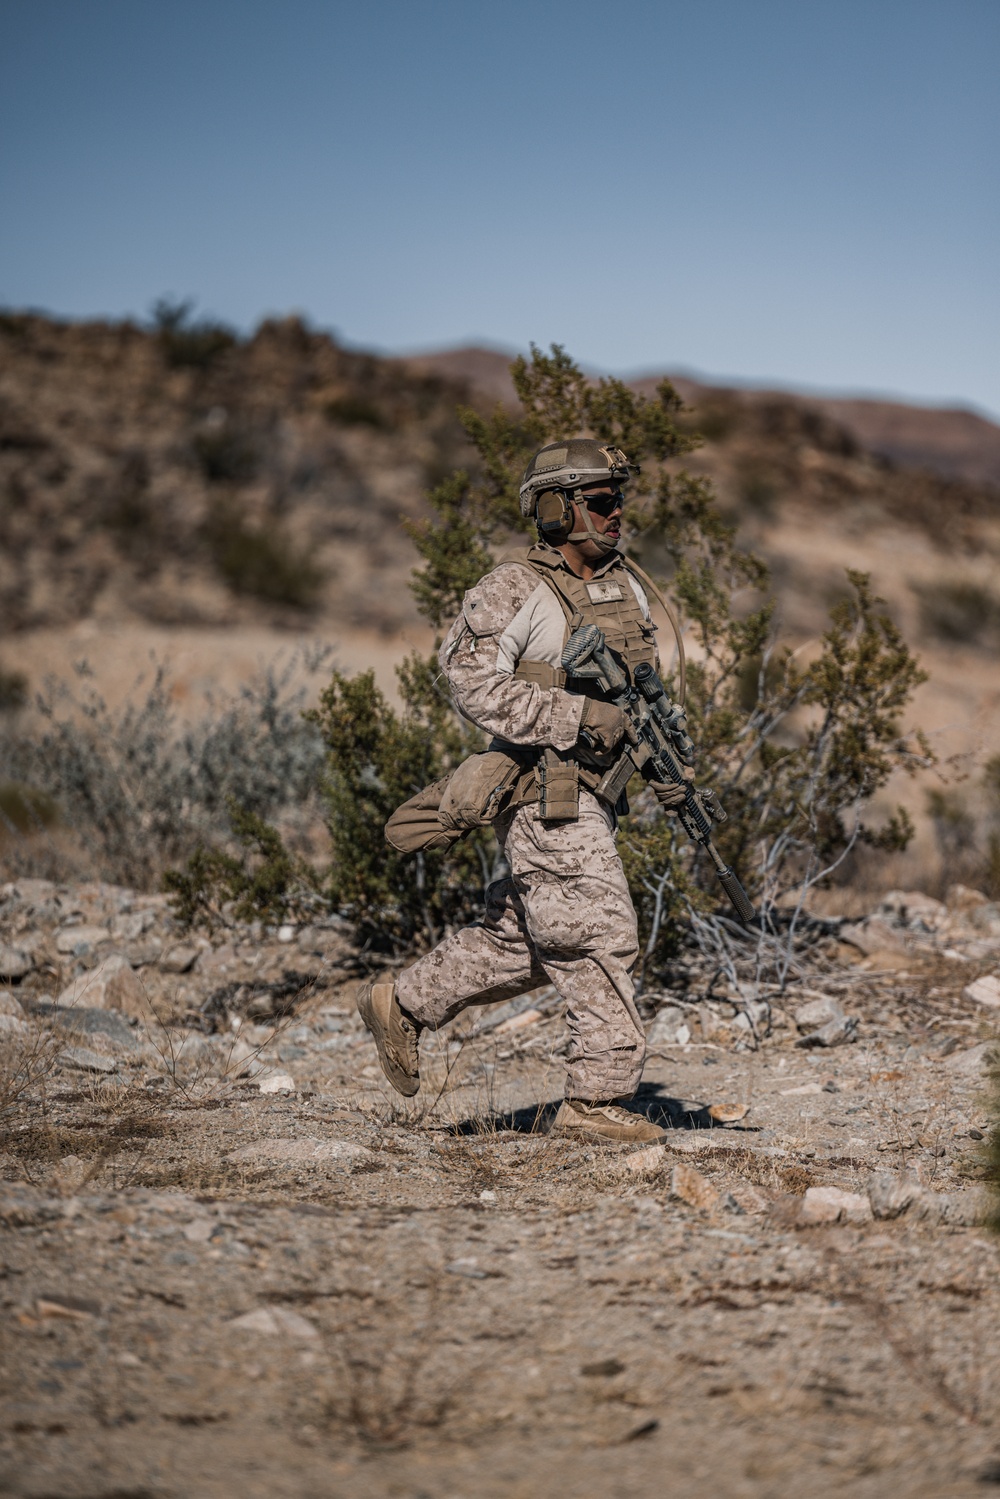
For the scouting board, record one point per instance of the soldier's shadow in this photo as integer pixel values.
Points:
(652, 1100)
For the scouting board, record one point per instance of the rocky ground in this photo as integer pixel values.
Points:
(234, 1262)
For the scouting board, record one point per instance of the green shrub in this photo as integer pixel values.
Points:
(13, 690)
(356, 411)
(759, 492)
(224, 454)
(188, 345)
(261, 561)
(377, 759)
(263, 882)
(25, 809)
(959, 612)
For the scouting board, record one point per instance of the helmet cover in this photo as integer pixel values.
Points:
(572, 464)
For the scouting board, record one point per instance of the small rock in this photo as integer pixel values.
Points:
(82, 1059)
(286, 934)
(984, 991)
(80, 939)
(217, 960)
(26, 1207)
(275, 1320)
(34, 893)
(963, 898)
(817, 1013)
(728, 1113)
(873, 936)
(986, 919)
(11, 1026)
(199, 1230)
(913, 908)
(276, 1082)
(650, 1158)
(749, 1198)
(468, 1267)
(666, 1028)
(110, 1024)
(802, 1090)
(836, 1033)
(688, 1185)
(487, 1196)
(891, 1196)
(10, 1006)
(129, 926)
(973, 1061)
(605, 1368)
(831, 1205)
(71, 1173)
(142, 954)
(15, 963)
(112, 985)
(67, 1308)
(754, 1016)
(179, 959)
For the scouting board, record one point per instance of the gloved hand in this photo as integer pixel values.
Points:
(669, 795)
(604, 723)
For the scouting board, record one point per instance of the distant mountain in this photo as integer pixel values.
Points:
(953, 442)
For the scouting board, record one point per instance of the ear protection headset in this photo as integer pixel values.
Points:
(554, 515)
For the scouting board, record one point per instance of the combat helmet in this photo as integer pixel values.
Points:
(556, 475)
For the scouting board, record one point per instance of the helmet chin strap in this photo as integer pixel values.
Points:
(590, 533)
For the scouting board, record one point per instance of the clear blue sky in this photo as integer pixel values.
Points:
(790, 191)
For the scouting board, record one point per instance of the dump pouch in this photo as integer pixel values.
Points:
(470, 797)
(476, 792)
(416, 825)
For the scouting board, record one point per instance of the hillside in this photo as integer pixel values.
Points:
(178, 476)
(175, 492)
(182, 477)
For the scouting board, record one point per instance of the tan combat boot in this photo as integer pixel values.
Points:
(606, 1121)
(394, 1033)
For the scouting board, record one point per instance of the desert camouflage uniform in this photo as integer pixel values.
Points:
(564, 913)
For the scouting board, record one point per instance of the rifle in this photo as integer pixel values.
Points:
(658, 741)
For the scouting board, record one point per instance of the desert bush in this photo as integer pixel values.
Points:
(260, 560)
(376, 759)
(25, 809)
(13, 690)
(958, 611)
(225, 454)
(264, 881)
(966, 824)
(186, 344)
(356, 411)
(140, 788)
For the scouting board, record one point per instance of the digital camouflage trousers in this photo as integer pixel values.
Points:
(564, 916)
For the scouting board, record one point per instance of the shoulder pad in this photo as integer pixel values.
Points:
(489, 607)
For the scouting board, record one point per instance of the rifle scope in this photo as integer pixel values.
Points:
(645, 678)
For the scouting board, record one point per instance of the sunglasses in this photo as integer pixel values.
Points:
(604, 504)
